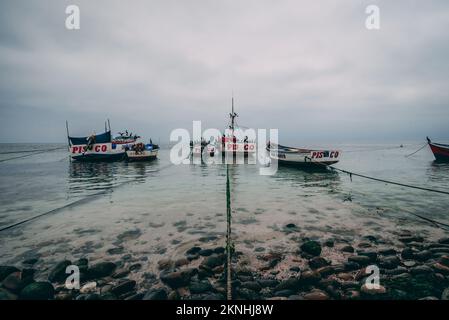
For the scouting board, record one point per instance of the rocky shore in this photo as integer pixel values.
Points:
(414, 269)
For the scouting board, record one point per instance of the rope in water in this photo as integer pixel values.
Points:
(228, 237)
(389, 182)
(350, 173)
(32, 153)
(411, 154)
(79, 201)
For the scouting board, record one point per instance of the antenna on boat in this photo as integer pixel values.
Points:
(109, 125)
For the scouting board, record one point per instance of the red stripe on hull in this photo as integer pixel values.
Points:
(440, 153)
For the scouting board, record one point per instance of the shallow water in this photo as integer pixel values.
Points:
(157, 210)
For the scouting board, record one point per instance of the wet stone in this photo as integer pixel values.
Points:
(348, 249)
(351, 266)
(423, 255)
(193, 250)
(388, 252)
(200, 287)
(311, 247)
(156, 294)
(124, 287)
(57, 274)
(360, 260)
(318, 262)
(421, 270)
(205, 252)
(408, 254)
(6, 271)
(101, 269)
(389, 262)
(316, 295)
(37, 291)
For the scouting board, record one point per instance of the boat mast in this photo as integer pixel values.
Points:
(232, 115)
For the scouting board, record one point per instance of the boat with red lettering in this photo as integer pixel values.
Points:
(440, 151)
(302, 157)
(96, 147)
(235, 140)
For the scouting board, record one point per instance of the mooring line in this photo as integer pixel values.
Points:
(389, 182)
(411, 154)
(228, 236)
(33, 153)
(79, 201)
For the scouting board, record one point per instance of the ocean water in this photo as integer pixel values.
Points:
(157, 210)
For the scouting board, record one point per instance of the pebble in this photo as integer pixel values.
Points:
(407, 254)
(421, 270)
(37, 291)
(423, 255)
(101, 269)
(156, 294)
(88, 287)
(318, 262)
(409, 263)
(316, 295)
(177, 279)
(124, 287)
(348, 249)
(445, 294)
(311, 247)
(57, 274)
(360, 260)
(6, 271)
(389, 262)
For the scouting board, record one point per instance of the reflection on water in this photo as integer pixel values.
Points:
(101, 176)
(309, 178)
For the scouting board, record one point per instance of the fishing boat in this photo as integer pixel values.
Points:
(139, 151)
(135, 148)
(94, 147)
(230, 143)
(302, 157)
(440, 151)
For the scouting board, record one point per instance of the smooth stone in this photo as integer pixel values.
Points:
(88, 287)
(124, 287)
(295, 269)
(316, 295)
(329, 243)
(134, 267)
(389, 262)
(444, 240)
(360, 260)
(82, 262)
(370, 254)
(193, 250)
(351, 266)
(252, 285)
(326, 271)
(409, 263)
(219, 250)
(31, 261)
(6, 271)
(388, 252)
(411, 239)
(318, 262)
(310, 277)
(156, 294)
(408, 254)
(441, 268)
(177, 279)
(289, 284)
(429, 298)
(200, 287)
(214, 260)
(57, 274)
(421, 270)
(445, 294)
(444, 260)
(423, 255)
(348, 249)
(206, 252)
(37, 291)
(364, 245)
(396, 271)
(135, 297)
(311, 247)
(101, 269)
(120, 273)
(268, 283)
(284, 293)
(165, 264)
(182, 262)
(14, 282)
(116, 250)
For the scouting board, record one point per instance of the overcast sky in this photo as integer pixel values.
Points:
(309, 68)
